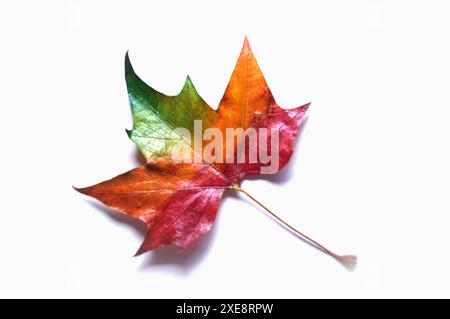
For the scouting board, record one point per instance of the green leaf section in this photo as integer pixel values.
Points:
(156, 115)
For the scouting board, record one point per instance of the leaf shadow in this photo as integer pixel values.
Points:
(138, 157)
(288, 171)
(185, 261)
(181, 262)
(138, 227)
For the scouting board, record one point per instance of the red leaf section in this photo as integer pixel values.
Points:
(177, 203)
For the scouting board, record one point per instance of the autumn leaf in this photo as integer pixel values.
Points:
(178, 201)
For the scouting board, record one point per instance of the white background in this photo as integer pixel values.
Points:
(370, 174)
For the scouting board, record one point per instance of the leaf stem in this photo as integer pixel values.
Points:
(347, 260)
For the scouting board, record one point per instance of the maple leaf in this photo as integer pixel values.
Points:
(179, 201)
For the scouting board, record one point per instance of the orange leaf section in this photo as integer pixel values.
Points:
(247, 95)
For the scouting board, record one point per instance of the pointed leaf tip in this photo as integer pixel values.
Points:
(128, 66)
(188, 85)
(246, 47)
(305, 107)
(143, 248)
(138, 253)
(82, 190)
(188, 81)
